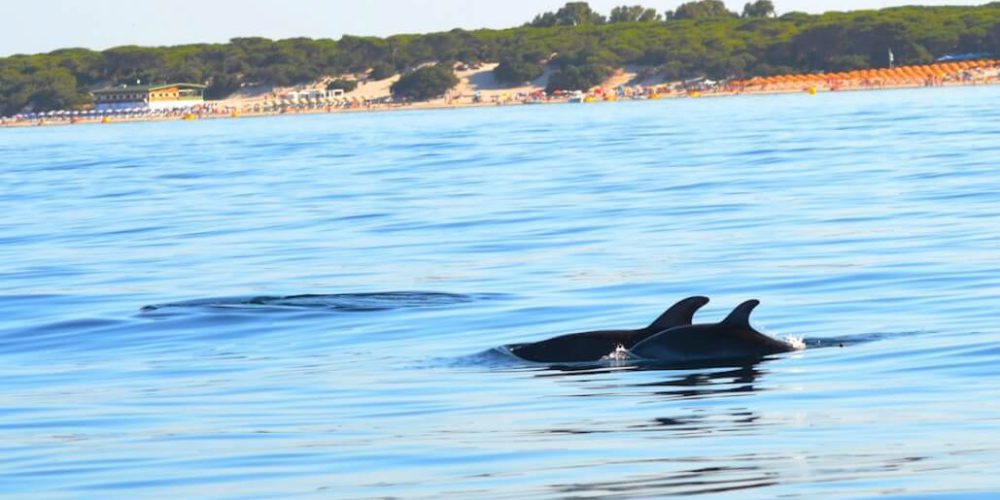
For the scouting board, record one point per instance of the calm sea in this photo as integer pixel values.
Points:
(308, 305)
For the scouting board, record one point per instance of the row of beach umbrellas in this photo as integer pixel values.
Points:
(62, 113)
(922, 72)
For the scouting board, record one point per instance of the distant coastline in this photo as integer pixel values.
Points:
(484, 94)
(701, 48)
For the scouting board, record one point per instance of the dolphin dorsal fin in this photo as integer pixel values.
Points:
(679, 314)
(741, 315)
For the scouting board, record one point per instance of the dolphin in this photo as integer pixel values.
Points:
(732, 338)
(592, 346)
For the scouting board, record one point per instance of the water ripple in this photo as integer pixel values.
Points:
(864, 222)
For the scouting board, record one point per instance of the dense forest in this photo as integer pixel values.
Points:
(581, 45)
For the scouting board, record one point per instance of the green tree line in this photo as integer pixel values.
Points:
(582, 47)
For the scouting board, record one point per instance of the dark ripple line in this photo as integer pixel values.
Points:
(348, 302)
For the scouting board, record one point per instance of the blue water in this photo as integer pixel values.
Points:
(306, 305)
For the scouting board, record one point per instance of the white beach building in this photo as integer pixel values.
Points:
(149, 97)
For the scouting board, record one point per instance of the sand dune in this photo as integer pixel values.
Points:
(474, 81)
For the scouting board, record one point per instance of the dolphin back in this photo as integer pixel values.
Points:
(592, 346)
(731, 338)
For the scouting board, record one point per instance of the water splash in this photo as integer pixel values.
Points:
(619, 354)
(797, 342)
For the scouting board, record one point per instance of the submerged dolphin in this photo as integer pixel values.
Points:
(732, 338)
(592, 346)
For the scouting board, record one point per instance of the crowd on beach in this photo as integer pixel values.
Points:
(274, 103)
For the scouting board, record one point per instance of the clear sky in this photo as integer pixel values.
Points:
(32, 26)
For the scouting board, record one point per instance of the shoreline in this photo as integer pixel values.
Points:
(218, 110)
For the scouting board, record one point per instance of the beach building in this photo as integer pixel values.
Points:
(149, 97)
